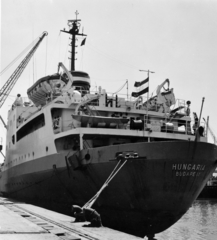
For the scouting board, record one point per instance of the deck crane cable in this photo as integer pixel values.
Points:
(66, 51)
(46, 57)
(6, 89)
(120, 88)
(97, 50)
(21, 54)
(54, 49)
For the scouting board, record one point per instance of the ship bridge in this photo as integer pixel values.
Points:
(81, 79)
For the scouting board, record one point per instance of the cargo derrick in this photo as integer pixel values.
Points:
(8, 86)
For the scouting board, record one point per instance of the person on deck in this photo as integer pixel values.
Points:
(18, 101)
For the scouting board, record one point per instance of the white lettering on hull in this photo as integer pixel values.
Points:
(188, 170)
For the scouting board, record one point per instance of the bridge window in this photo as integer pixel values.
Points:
(31, 126)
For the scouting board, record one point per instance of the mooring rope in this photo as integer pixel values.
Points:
(111, 176)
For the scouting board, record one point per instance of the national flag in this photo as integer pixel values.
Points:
(143, 91)
(83, 41)
(138, 84)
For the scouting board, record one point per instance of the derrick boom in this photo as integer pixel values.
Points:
(6, 89)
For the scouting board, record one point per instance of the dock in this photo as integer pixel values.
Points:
(22, 221)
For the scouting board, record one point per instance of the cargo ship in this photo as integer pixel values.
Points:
(143, 160)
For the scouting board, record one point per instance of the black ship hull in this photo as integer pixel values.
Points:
(148, 195)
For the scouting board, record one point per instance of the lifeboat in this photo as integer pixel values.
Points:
(49, 87)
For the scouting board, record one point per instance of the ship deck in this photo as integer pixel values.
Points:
(22, 221)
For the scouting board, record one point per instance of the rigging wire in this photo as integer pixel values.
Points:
(33, 57)
(92, 47)
(66, 51)
(120, 88)
(20, 55)
(59, 47)
(33, 77)
(81, 62)
(35, 70)
(55, 46)
(46, 56)
(82, 53)
(107, 79)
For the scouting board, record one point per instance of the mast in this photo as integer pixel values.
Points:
(148, 71)
(74, 26)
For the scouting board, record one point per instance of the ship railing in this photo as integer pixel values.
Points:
(174, 121)
(151, 123)
(173, 124)
(142, 102)
(22, 102)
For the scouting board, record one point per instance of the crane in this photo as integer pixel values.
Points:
(6, 89)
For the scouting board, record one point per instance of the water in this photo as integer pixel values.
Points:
(199, 223)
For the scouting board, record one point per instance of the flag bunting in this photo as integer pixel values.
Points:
(83, 42)
(138, 84)
(143, 91)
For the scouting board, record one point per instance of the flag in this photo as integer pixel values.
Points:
(138, 84)
(83, 41)
(143, 91)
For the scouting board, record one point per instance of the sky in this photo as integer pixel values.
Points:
(174, 39)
